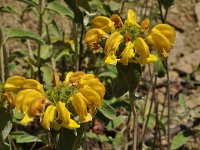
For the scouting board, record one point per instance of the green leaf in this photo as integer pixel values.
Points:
(7, 9)
(182, 102)
(78, 15)
(20, 33)
(70, 138)
(114, 6)
(47, 74)
(59, 8)
(5, 128)
(46, 51)
(107, 74)
(61, 54)
(107, 110)
(128, 78)
(159, 68)
(23, 137)
(116, 122)
(30, 2)
(54, 31)
(101, 138)
(180, 139)
(119, 139)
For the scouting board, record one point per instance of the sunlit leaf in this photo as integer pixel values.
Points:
(7, 9)
(23, 137)
(20, 33)
(182, 102)
(107, 110)
(116, 122)
(180, 139)
(119, 139)
(5, 128)
(159, 68)
(128, 78)
(61, 9)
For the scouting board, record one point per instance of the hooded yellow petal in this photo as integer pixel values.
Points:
(10, 99)
(48, 117)
(33, 84)
(131, 18)
(86, 78)
(103, 23)
(14, 83)
(97, 86)
(141, 47)
(25, 99)
(112, 43)
(78, 101)
(92, 97)
(26, 119)
(145, 24)
(117, 21)
(166, 30)
(37, 107)
(64, 116)
(67, 78)
(127, 54)
(110, 59)
(160, 42)
(19, 98)
(94, 36)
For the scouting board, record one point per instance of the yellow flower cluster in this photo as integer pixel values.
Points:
(83, 93)
(27, 95)
(89, 95)
(129, 42)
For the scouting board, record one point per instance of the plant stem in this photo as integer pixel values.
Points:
(161, 13)
(151, 106)
(168, 104)
(135, 119)
(2, 51)
(41, 12)
(75, 30)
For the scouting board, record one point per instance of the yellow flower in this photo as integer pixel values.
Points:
(162, 38)
(160, 43)
(103, 23)
(31, 103)
(127, 54)
(92, 97)
(57, 79)
(64, 117)
(166, 30)
(145, 24)
(131, 18)
(72, 78)
(14, 83)
(78, 101)
(48, 120)
(25, 97)
(93, 37)
(111, 47)
(95, 85)
(84, 79)
(10, 100)
(33, 84)
(142, 49)
(110, 59)
(117, 21)
(67, 78)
